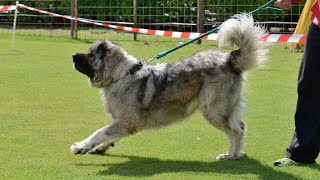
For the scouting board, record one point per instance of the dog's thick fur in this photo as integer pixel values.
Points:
(140, 96)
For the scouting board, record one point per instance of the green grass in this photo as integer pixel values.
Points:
(45, 106)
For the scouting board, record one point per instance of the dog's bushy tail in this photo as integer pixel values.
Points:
(241, 31)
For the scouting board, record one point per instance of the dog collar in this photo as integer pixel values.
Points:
(131, 71)
(135, 68)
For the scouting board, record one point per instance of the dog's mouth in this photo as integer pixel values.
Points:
(81, 64)
(84, 70)
(78, 67)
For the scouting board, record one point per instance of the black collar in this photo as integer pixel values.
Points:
(135, 68)
(131, 71)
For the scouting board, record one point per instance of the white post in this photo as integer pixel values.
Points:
(14, 23)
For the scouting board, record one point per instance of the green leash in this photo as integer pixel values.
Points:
(162, 54)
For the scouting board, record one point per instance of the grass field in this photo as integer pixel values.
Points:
(45, 106)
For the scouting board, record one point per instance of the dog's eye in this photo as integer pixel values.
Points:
(90, 54)
(91, 57)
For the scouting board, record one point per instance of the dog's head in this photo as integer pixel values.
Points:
(99, 62)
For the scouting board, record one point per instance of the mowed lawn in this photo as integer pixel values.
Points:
(46, 105)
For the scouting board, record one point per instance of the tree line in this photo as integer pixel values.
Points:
(151, 11)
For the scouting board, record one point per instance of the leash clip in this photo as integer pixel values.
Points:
(151, 59)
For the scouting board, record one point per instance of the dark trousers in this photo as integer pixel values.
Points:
(305, 144)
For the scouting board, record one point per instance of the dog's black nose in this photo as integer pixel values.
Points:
(75, 57)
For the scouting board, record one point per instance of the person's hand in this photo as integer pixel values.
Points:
(283, 4)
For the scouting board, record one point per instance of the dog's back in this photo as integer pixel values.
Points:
(210, 79)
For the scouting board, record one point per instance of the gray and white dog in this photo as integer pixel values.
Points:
(140, 96)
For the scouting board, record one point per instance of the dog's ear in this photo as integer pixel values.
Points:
(114, 43)
(103, 47)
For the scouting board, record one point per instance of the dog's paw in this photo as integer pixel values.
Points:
(229, 157)
(79, 148)
(99, 150)
(225, 157)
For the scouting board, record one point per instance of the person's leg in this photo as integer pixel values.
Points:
(304, 146)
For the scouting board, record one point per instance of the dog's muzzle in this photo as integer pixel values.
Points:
(82, 65)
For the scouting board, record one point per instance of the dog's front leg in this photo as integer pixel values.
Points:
(101, 148)
(106, 135)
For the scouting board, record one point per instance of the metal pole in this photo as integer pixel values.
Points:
(76, 16)
(72, 26)
(135, 18)
(200, 17)
(14, 23)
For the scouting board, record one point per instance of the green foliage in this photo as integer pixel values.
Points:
(183, 11)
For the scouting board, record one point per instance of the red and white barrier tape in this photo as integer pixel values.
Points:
(295, 38)
(7, 8)
(189, 35)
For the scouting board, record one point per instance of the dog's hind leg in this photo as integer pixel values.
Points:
(233, 127)
(103, 138)
(236, 139)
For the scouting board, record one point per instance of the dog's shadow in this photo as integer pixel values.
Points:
(147, 167)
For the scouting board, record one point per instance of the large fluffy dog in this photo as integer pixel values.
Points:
(140, 96)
